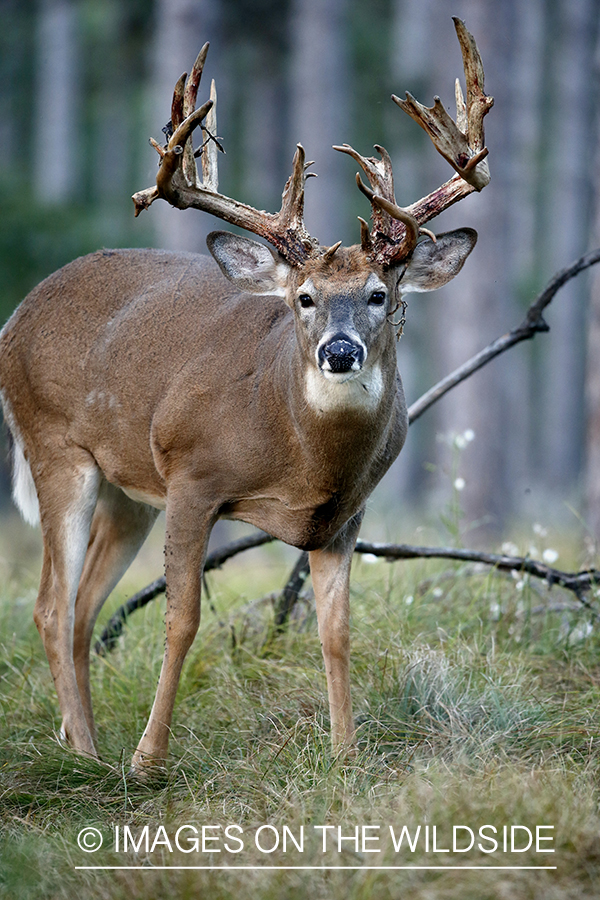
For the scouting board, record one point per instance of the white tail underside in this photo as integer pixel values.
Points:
(24, 493)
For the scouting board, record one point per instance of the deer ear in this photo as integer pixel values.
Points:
(434, 264)
(249, 265)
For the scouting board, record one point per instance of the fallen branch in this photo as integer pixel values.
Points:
(114, 627)
(291, 591)
(579, 582)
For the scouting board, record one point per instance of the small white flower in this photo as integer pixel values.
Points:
(510, 549)
(519, 585)
(370, 558)
(460, 442)
(409, 599)
(494, 611)
(469, 435)
(540, 530)
(459, 484)
(580, 633)
(437, 592)
(533, 551)
(550, 556)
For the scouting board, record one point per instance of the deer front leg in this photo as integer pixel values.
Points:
(330, 572)
(188, 525)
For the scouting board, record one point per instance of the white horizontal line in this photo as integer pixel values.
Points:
(353, 868)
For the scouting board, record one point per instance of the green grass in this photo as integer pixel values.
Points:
(477, 704)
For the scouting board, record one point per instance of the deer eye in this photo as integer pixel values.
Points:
(377, 298)
(306, 301)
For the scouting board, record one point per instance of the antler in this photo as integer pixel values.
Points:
(396, 230)
(178, 183)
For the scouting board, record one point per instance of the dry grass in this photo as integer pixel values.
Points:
(474, 708)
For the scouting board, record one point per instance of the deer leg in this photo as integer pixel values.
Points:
(67, 500)
(119, 528)
(188, 526)
(330, 573)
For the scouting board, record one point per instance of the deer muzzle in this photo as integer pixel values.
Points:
(340, 354)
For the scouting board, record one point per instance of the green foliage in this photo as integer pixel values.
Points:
(473, 707)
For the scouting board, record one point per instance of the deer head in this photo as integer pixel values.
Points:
(342, 298)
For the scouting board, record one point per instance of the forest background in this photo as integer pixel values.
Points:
(86, 82)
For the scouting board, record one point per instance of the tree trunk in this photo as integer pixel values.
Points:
(568, 223)
(319, 108)
(57, 122)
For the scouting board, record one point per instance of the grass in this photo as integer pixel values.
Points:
(477, 701)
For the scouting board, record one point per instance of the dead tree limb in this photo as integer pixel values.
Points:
(291, 591)
(579, 583)
(114, 627)
(533, 323)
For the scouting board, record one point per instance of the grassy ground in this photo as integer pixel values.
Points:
(477, 702)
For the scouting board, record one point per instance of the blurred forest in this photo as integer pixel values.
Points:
(86, 82)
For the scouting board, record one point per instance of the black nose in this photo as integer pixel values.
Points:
(341, 354)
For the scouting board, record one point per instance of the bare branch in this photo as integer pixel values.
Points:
(577, 582)
(114, 627)
(533, 323)
(291, 591)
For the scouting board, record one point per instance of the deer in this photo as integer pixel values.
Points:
(256, 384)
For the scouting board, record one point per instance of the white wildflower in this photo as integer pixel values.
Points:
(580, 633)
(459, 484)
(540, 530)
(469, 435)
(494, 611)
(370, 558)
(550, 556)
(510, 549)
(409, 599)
(437, 592)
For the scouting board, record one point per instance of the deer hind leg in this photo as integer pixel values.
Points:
(330, 573)
(189, 521)
(119, 528)
(67, 498)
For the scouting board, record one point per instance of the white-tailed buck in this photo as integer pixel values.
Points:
(258, 385)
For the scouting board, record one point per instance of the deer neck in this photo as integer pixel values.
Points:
(343, 419)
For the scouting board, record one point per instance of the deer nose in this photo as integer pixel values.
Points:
(341, 355)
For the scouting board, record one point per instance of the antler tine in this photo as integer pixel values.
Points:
(292, 199)
(365, 236)
(209, 159)
(177, 180)
(406, 243)
(188, 105)
(478, 104)
(177, 114)
(395, 231)
(193, 82)
(462, 142)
